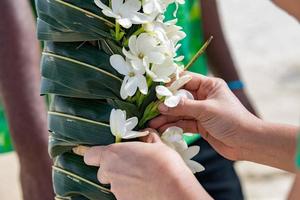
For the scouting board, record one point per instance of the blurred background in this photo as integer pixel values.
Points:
(265, 43)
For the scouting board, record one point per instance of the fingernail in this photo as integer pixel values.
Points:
(163, 108)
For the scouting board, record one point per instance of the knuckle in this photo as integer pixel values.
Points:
(220, 81)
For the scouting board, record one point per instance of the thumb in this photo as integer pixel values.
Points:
(186, 107)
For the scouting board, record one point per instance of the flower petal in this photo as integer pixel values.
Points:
(156, 57)
(117, 122)
(194, 166)
(119, 64)
(142, 84)
(101, 5)
(131, 123)
(135, 134)
(172, 101)
(184, 94)
(131, 86)
(125, 22)
(123, 91)
(132, 44)
(116, 5)
(163, 91)
(190, 152)
(179, 83)
(131, 6)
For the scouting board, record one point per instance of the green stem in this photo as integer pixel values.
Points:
(118, 139)
(117, 31)
(137, 32)
(150, 112)
(199, 53)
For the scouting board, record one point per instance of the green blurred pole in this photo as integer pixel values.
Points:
(5, 140)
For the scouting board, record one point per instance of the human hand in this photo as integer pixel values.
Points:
(242, 96)
(147, 171)
(215, 113)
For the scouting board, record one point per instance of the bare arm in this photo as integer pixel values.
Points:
(19, 86)
(234, 132)
(218, 53)
(291, 6)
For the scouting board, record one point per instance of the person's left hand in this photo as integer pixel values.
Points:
(148, 171)
(241, 95)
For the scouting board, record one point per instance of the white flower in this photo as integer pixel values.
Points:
(122, 128)
(144, 50)
(173, 93)
(188, 154)
(169, 34)
(173, 137)
(174, 32)
(162, 72)
(155, 6)
(133, 80)
(125, 12)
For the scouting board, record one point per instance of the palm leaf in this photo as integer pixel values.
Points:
(84, 72)
(75, 122)
(84, 87)
(73, 178)
(71, 20)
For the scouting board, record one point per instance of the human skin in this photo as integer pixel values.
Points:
(148, 171)
(19, 86)
(291, 6)
(295, 192)
(230, 128)
(218, 53)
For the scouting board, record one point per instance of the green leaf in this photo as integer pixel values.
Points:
(71, 177)
(84, 72)
(131, 109)
(72, 20)
(78, 131)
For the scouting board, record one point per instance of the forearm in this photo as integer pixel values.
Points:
(270, 144)
(218, 53)
(19, 75)
(295, 192)
(19, 86)
(291, 6)
(187, 187)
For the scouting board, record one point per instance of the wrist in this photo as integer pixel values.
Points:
(248, 135)
(184, 185)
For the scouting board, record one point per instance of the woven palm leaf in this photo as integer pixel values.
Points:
(84, 88)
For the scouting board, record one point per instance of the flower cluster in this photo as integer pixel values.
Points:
(149, 59)
(149, 54)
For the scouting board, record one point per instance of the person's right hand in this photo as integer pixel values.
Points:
(215, 113)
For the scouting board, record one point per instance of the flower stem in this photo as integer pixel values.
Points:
(137, 32)
(199, 53)
(117, 30)
(118, 139)
(150, 112)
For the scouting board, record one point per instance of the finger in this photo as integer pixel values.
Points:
(93, 156)
(153, 136)
(164, 119)
(196, 81)
(102, 177)
(80, 150)
(186, 107)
